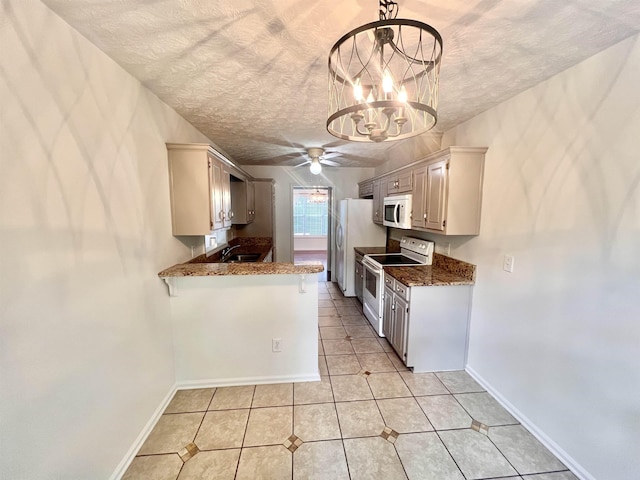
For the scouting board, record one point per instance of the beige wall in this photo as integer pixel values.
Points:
(85, 342)
(559, 338)
(410, 150)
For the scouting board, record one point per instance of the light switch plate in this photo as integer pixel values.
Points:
(507, 264)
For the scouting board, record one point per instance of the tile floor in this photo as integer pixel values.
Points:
(369, 418)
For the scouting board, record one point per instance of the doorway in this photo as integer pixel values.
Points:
(311, 227)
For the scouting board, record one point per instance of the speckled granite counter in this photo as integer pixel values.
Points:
(370, 250)
(444, 271)
(261, 245)
(203, 266)
(253, 268)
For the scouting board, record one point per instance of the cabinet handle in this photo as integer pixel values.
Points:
(231, 214)
(221, 215)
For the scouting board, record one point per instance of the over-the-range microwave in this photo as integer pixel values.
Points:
(397, 211)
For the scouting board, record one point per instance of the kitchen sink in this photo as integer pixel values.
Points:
(243, 257)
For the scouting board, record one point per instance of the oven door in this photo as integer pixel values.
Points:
(372, 295)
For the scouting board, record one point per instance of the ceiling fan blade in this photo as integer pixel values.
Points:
(329, 155)
(330, 163)
(303, 164)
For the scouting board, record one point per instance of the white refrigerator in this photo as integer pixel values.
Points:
(355, 229)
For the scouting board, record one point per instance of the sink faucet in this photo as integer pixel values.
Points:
(227, 250)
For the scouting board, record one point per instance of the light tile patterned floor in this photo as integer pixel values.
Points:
(369, 418)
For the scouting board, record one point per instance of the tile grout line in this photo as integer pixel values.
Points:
(449, 453)
(244, 435)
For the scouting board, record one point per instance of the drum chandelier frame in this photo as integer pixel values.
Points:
(383, 79)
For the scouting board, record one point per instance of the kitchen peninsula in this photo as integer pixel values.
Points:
(243, 323)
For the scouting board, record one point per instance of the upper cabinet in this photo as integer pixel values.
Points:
(199, 179)
(401, 182)
(243, 201)
(379, 187)
(447, 192)
(446, 187)
(365, 189)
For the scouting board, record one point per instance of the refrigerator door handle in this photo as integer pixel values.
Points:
(339, 237)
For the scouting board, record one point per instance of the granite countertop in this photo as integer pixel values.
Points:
(370, 250)
(253, 268)
(444, 271)
(203, 266)
(261, 245)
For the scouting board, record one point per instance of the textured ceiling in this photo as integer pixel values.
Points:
(252, 75)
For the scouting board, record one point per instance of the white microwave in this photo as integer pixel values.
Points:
(397, 211)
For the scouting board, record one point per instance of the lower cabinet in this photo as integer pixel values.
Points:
(427, 326)
(396, 316)
(359, 276)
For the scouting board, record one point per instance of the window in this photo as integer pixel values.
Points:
(310, 212)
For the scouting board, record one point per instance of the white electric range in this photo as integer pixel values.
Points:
(413, 252)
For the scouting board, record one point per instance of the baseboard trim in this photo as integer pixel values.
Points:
(230, 382)
(131, 453)
(542, 437)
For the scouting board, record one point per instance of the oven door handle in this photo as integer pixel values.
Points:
(369, 265)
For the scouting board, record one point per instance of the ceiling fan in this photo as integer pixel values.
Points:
(318, 157)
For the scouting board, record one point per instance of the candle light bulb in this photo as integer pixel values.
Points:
(357, 91)
(402, 94)
(387, 82)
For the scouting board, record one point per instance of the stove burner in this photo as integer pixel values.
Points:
(394, 259)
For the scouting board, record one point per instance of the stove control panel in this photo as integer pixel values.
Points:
(417, 245)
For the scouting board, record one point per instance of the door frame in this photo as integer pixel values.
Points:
(330, 220)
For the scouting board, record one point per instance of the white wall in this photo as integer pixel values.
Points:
(343, 181)
(560, 337)
(310, 244)
(85, 340)
(238, 351)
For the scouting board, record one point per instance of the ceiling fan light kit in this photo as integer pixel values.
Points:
(383, 79)
(315, 166)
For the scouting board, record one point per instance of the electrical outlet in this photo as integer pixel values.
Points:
(507, 264)
(276, 345)
(446, 248)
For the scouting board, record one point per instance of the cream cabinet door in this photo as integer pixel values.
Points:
(419, 202)
(251, 201)
(377, 196)
(226, 199)
(436, 195)
(217, 206)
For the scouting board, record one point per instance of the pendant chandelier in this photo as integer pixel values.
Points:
(383, 79)
(317, 197)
